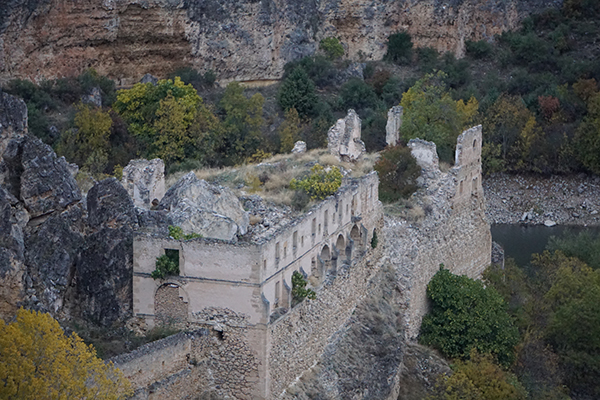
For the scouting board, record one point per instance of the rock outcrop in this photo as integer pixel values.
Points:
(144, 181)
(200, 207)
(392, 128)
(343, 138)
(240, 40)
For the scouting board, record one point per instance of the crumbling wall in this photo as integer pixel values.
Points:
(453, 230)
(204, 362)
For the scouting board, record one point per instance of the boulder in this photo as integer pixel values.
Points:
(549, 223)
(343, 138)
(392, 128)
(144, 181)
(299, 147)
(109, 205)
(149, 78)
(94, 97)
(200, 207)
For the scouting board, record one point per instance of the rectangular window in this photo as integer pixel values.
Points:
(314, 226)
(325, 222)
(302, 241)
(173, 255)
(285, 250)
(277, 294)
(277, 252)
(264, 265)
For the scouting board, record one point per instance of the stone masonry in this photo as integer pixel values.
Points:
(247, 342)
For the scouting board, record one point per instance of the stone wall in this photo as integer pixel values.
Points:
(297, 340)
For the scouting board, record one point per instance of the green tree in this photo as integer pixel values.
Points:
(431, 114)
(38, 361)
(588, 135)
(242, 124)
(147, 107)
(464, 316)
(298, 91)
(399, 48)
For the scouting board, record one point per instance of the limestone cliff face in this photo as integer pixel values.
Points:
(239, 39)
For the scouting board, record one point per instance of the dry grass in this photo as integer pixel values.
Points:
(271, 178)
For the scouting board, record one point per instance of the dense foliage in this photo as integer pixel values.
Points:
(167, 265)
(464, 316)
(555, 302)
(320, 183)
(39, 361)
(398, 173)
(299, 290)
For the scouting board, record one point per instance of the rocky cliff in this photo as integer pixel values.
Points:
(61, 252)
(243, 40)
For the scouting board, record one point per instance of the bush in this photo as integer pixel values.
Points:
(398, 172)
(332, 47)
(299, 291)
(399, 48)
(319, 68)
(166, 265)
(465, 315)
(358, 95)
(320, 183)
(177, 233)
(479, 50)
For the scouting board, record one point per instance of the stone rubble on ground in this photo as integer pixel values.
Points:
(557, 200)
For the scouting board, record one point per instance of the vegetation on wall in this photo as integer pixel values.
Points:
(167, 265)
(299, 290)
(398, 173)
(320, 183)
(38, 360)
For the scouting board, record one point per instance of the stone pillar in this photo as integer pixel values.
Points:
(343, 138)
(392, 128)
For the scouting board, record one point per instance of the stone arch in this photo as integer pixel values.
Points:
(325, 258)
(340, 244)
(325, 253)
(170, 304)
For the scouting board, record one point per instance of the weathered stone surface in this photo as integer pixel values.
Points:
(343, 138)
(299, 147)
(421, 368)
(50, 253)
(392, 128)
(94, 97)
(425, 153)
(153, 221)
(149, 78)
(144, 181)
(104, 267)
(210, 210)
(242, 40)
(13, 117)
(46, 182)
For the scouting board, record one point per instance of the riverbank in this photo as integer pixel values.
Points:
(561, 200)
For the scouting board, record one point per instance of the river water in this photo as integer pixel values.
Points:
(521, 241)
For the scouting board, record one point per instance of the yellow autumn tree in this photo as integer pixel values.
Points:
(38, 361)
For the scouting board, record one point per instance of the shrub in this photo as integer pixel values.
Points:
(398, 172)
(166, 265)
(332, 47)
(299, 291)
(177, 233)
(399, 48)
(465, 315)
(358, 95)
(320, 183)
(428, 58)
(480, 49)
(374, 240)
(319, 68)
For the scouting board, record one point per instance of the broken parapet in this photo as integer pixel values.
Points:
(343, 138)
(425, 153)
(392, 128)
(144, 181)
